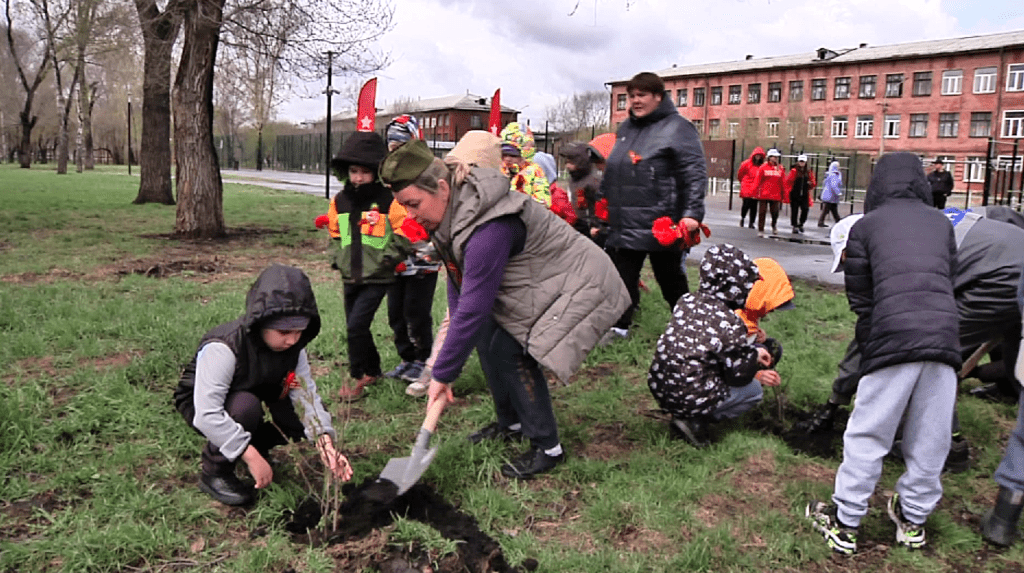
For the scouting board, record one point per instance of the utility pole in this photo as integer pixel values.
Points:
(330, 91)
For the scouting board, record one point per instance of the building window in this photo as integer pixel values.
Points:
(842, 88)
(1006, 162)
(681, 98)
(698, 97)
(714, 127)
(475, 122)
(974, 169)
(865, 126)
(839, 125)
(620, 102)
(952, 82)
(774, 92)
(792, 126)
(698, 124)
(893, 85)
(735, 94)
(796, 90)
(716, 95)
(981, 124)
(818, 88)
(985, 80)
(918, 125)
(892, 126)
(1015, 78)
(754, 93)
(867, 87)
(772, 127)
(815, 126)
(1013, 124)
(734, 129)
(922, 84)
(949, 124)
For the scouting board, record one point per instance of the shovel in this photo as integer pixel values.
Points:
(405, 472)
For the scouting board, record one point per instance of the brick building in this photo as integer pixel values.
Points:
(939, 98)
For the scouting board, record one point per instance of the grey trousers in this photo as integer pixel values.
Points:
(924, 394)
(741, 399)
(1010, 472)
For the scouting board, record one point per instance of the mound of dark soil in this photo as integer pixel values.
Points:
(372, 505)
(826, 444)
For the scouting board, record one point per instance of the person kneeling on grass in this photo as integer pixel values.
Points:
(259, 358)
(705, 364)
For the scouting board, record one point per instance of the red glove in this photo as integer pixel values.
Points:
(601, 209)
(413, 230)
(321, 221)
(691, 240)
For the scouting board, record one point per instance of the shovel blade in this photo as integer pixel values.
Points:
(405, 472)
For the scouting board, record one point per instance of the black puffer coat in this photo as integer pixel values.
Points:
(656, 169)
(705, 348)
(899, 271)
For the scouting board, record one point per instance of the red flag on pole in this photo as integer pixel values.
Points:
(366, 110)
(494, 125)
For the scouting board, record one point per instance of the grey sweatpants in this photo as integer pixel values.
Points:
(924, 394)
(1010, 472)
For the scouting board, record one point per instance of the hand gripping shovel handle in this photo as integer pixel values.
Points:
(434, 414)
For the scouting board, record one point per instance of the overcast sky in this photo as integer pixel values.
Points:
(537, 51)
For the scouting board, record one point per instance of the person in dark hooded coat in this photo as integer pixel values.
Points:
(704, 363)
(258, 359)
(899, 264)
(585, 189)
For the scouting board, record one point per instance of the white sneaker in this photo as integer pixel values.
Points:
(417, 388)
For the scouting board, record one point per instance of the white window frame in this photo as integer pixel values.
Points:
(816, 126)
(952, 82)
(840, 126)
(943, 123)
(1003, 163)
(620, 102)
(911, 123)
(714, 127)
(892, 126)
(1013, 127)
(865, 127)
(771, 127)
(1015, 77)
(985, 80)
(733, 127)
(974, 169)
(735, 95)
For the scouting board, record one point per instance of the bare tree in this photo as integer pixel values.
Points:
(342, 26)
(579, 112)
(39, 56)
(56, 17)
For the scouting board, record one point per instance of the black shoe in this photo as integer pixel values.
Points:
(226, 489)
(999, 525)
(493, 432)
(693, 430)
(822, 420)
(530, 463)
(959, 458)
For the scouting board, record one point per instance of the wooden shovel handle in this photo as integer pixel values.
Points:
(433, 414)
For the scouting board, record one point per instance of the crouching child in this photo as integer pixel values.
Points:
(705, 363)
(898, 264)
(259, 358)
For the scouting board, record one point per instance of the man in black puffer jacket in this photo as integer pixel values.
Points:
(899, 265)
(656, 169)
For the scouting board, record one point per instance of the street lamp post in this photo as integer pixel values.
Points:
(330, 91)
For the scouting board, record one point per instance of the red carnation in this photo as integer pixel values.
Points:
(290, 382)
(665, 231)
(601, 209)
(400, 267)
(413, 230)
(321, 221)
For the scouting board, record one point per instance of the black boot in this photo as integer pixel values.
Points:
(999, 526)
(694, 430)
(530, 463)
(226, 488)
(821, 420)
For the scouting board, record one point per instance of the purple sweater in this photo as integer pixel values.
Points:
(470, 304)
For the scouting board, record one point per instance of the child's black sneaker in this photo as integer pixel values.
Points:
(840, 538)
(908, 534)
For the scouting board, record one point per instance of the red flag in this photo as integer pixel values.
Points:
(494, 124)
(366, 110)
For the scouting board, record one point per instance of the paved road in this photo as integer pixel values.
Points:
(806, 256)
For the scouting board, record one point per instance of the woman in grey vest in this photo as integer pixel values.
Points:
(524, 288)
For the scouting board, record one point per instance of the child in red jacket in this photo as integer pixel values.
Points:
(770, 187)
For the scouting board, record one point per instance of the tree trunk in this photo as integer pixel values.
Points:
(200, 191)
(62, 133)
(259, 149)
(158, 32)
(28, 121)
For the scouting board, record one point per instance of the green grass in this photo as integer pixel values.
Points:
(99, 471)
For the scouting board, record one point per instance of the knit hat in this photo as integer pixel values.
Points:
(521, 138)
(403, 165)
(402, 129)
(547, 163)
(478, 148)
(838, 236)
(509, 149)
(364, 148)
(287, 322)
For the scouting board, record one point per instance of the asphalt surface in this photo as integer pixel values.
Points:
(807, 256)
